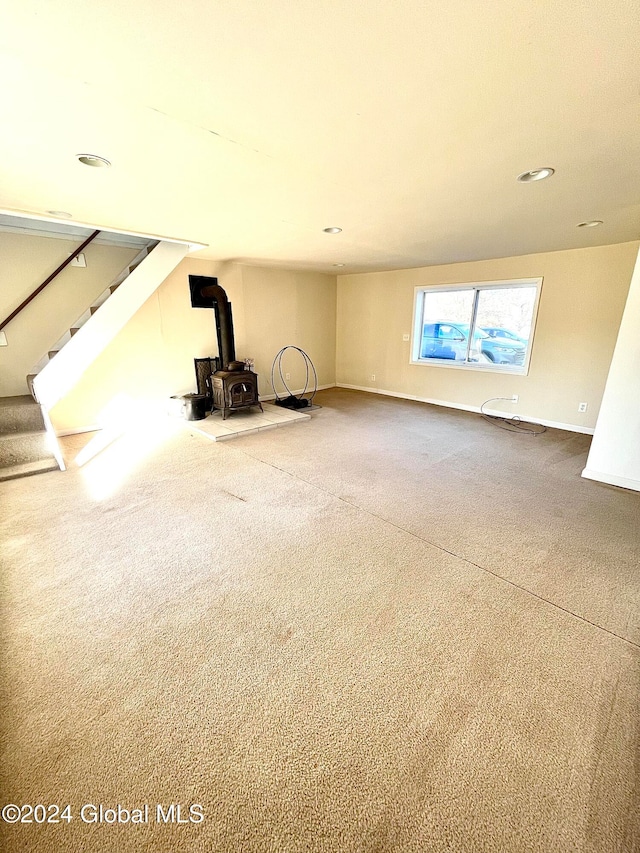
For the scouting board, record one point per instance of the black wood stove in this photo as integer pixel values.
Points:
(233, 387)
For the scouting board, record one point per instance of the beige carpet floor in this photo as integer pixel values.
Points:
(392, 628)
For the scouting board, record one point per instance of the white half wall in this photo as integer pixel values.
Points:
(60, 375)
(614, 457)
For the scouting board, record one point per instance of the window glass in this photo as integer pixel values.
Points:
(505, 316)
(488, 326)
(445, 313)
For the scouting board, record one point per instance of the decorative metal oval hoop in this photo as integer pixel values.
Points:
(307, 363)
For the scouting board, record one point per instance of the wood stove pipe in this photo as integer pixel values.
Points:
(207, 293)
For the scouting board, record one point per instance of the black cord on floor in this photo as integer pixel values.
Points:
(514, 424)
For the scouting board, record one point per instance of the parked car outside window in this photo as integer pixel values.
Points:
(497, 332)
(449, 340)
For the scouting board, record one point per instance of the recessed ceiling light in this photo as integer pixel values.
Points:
(332, 230)
(536, 175)
(93, 160)
(60, 214)
(591, 223)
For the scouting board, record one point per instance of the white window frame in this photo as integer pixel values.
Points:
(418, 314)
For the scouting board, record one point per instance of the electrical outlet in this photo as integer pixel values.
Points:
(373, 377)
(514, 398)
(582, 407)
(287, 376)
(405, 337)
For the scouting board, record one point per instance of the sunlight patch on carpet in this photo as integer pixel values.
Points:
(131, 431)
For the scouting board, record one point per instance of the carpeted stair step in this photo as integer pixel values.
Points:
(20, 414)
(28, 469)
(19, 447)
(24, 444)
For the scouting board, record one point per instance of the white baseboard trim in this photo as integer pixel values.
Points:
(266, 397)
(449, 405)
(611, 479)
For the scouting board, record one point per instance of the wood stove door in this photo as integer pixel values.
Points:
(242, 393)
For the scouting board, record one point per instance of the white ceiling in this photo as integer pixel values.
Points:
(251, 126)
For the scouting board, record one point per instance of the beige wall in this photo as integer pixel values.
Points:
(290, 308)
(581, 306)
(25, 262)
(151, 359)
